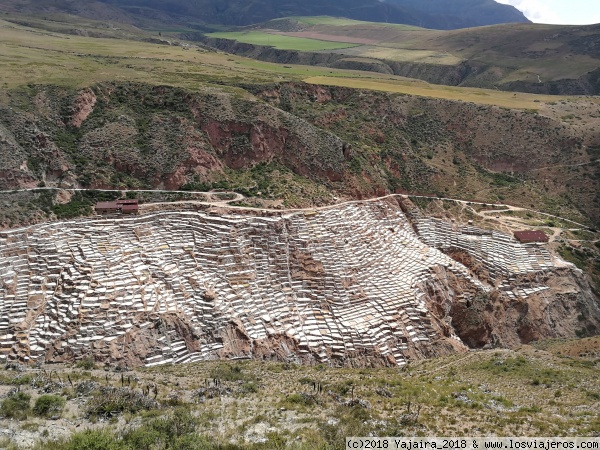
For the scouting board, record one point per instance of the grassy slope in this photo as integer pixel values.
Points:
(340, 21)
(421, 88)
(34, 55)
(38, 56)
(523, 51)
(545, 50)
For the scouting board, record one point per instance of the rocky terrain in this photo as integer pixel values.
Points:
(298, 143)
(547, 389)
(353, 315)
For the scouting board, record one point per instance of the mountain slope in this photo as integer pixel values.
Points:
(439, 15)
(464, 13)
(301, 144)
(355, 284)
(542, 59)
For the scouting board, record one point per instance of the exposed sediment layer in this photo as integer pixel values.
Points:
(352, 284)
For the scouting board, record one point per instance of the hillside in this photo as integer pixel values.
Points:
(438, 15)
(543, 59)
(360, 286)
(342, 238)
(299, 143)
(224, 121)
(549, 389)
(131, 110)
(453, 14)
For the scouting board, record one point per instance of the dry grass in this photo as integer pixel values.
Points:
(340, 22)
(381, 51)
(35, 56)
(422, 88)
(523, 51)
(542, 391)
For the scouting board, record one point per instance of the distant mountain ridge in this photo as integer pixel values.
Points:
(453, 14)
(437, 14)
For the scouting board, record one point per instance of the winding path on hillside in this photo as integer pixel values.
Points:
(239, 197)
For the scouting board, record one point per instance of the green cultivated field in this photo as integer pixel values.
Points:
(281, 42)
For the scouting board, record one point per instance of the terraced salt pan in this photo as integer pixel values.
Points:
(501, 255)
(336, 281)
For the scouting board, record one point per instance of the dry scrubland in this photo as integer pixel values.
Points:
(421, 88)
(548, 389)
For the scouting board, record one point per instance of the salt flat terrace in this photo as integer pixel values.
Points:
(499, 254)
(316, 286)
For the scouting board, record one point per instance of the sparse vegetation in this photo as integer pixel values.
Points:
(110, 401)
(253, 404)
(183, 116)
(16, 405)
(87, 363)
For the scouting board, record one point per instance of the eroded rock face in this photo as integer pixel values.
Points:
(82, 107)
(534, 294)
(352, 285)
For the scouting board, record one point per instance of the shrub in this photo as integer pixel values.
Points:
(21, 380)
(16, 406)
(87, 363)
(249, 388)
(176, 430)
(230, 372)
(301, 399)
(109, 401)
(92, 440)
(49, 405)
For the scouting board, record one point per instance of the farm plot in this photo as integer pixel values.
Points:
(281, 42)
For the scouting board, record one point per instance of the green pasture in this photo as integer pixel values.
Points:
(281, 42)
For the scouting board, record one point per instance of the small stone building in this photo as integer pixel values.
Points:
(529, 236)
(125, 206)
(107, 208)
(129, 208)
